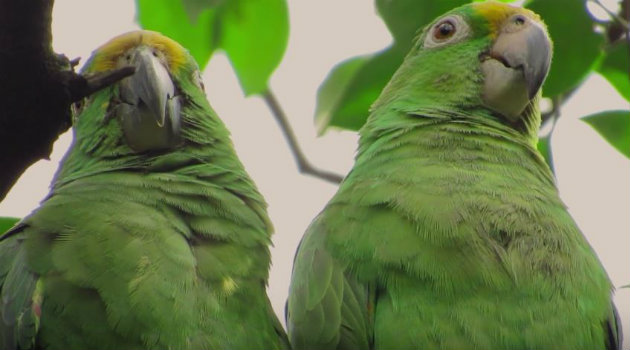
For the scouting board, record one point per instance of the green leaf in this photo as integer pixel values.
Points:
(170, 18)
(195, 7)
(544, 147)
(616, 68)
(254, 34)
(405, 18)
(6, 223)
(331, 90)
(614, 126)
(577, 47)
(361, 81)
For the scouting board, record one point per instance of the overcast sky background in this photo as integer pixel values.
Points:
(593, 178)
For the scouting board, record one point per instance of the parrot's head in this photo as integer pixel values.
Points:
(147, 109)
(484, 54)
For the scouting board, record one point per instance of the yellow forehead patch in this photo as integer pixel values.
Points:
(496, 13)
(106, 56)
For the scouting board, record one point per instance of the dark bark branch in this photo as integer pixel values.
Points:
(37, 87)
(84, 85)
(302, 163)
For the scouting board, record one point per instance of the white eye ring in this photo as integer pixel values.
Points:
(451, 29)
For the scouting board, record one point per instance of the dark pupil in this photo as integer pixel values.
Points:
(445, 30)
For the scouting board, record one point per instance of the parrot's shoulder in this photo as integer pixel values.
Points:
(328, 305)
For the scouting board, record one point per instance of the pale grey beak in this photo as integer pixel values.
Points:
(152, 83)
(528, 49)
(516, 66)
(150, 114)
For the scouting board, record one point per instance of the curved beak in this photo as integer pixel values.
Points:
(150, 114)
(516, 65)
(529, 50)
(151, 85)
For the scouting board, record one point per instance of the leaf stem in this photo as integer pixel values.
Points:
(303, 165)
(555, 114)
(622, 21)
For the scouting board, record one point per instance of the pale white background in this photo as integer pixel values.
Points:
(594, 179)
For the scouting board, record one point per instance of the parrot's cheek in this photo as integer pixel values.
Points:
(505, 89)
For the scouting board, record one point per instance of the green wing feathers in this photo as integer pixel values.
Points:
(19, 306)
(328, 308)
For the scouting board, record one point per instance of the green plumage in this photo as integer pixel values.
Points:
(448, 233)
(161, 249)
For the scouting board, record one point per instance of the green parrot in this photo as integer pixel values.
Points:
(153, 235)
(448, 233)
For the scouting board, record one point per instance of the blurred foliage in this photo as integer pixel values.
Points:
(6, 223)
(350, 88)
(616, 68)
(253, 33)
(614, 126)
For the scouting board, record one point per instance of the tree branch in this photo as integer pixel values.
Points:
(304, 166)
(37, 87)
(618, 18)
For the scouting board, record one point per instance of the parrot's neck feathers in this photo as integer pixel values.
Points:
(99, 147)
(403, 115)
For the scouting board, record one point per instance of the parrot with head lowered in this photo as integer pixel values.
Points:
(153, 235)
(448, 233)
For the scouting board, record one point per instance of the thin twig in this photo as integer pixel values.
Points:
(302, 163)
(95, 82)
(622, 21)
(555, 114)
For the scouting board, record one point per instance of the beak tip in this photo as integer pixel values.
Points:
(534, 83)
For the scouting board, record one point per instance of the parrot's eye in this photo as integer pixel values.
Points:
(444, 30)
(448, 30)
